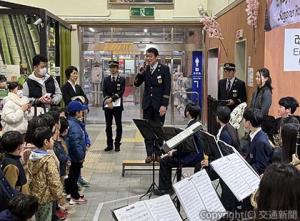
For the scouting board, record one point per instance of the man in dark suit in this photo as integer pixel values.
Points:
(157, 80)
(113, 90)
(71, 90)
(260, 151)
(231, 90)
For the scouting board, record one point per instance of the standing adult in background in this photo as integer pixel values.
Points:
(113, 90)
(262, 97)
(231, 90)
(157, 80)
(71, 89)
(40, 87)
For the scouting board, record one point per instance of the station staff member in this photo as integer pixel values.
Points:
(157, 80)
(231, 90)
(113, 90)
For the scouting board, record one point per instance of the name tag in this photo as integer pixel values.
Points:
(159, 79)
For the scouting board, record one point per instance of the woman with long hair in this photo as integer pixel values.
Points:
(262, 97)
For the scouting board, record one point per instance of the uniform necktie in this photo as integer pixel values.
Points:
(114, 79)
(151, 69)
(228, 85)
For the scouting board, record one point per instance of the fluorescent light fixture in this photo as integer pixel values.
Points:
(92, 29)
(145, 30)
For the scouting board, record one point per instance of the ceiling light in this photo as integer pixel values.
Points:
(92, 29)
(145, 30)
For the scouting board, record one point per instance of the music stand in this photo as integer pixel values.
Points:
(150, 130)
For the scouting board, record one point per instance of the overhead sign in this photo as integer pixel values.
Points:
(197, 76)
(142, 11)
(282, 13)
(292, 50)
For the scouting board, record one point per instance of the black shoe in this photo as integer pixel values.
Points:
(108, 148)
(117, 147)
(159, 192)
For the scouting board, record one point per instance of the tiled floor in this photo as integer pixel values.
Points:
(108, 189)
(104, 172)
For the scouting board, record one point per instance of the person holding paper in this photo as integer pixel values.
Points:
(259, 154)
(71, 90)
(231, 90)
(182, 157)
(113, 90)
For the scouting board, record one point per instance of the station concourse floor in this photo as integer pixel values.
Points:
(108, 189)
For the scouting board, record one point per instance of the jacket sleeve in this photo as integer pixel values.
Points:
(10, 115)
(11, 174)
(65, 94)
(266, 102)
(57, 96)
(121, 92)
(139, 79)
(81, 92)
(104, 90)
(167, 88)
(219, 90)
(262, 157)
(75, 148)
(242, 94)
(53, 179)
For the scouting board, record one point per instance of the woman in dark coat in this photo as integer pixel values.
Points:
(262, 97)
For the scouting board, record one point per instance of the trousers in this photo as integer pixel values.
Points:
(109, 115)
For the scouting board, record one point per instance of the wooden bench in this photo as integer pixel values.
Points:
(137, 163)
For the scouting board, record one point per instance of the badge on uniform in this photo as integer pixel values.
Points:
(159, 79)
(234, 93)
(118, 87)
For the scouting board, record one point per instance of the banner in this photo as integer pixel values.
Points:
(292, 50)
(197, 76)
(282, 12)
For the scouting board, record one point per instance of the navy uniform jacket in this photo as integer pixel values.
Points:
(237, 92)
(229, 135)
(157, 86)
(259, 155)
(113, 89)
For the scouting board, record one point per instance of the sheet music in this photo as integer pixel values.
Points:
(116, 103)
(189, 199)
(135, 212)
(207, 192)
(163, 209)
(251, 178)
(234, 175)
(182, 135)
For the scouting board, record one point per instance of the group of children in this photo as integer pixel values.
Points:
(44, 164)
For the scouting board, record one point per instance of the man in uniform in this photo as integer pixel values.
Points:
(113, 90)
(231, 90)
(157, 80)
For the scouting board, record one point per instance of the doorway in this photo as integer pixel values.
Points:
(101, 44)
(241, 59)
(212, 72)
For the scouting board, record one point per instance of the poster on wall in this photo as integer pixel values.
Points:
(282, 12)
(250, 77)
(292, 50)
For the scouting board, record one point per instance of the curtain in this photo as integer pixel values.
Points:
(65, 51)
